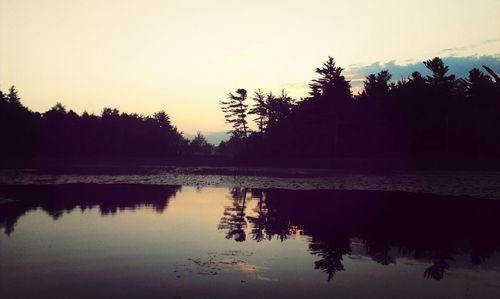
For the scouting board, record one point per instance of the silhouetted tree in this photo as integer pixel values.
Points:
(236, 112)
(417, 81)
(377, 85)
(439, 78)
(18, 125)
(479, 86)
(431, 117)
(200, 146)
(62, 132)
(278, 108)
(331, 85)
(12, 96)
(330, 94)
(163, 120)
(260, 110)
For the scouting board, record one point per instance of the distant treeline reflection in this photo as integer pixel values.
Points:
(58, 199)
(429, 116)
(381, 225)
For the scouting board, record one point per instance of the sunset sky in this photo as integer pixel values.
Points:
(185, 56)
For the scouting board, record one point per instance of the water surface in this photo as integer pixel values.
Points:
(160, 241)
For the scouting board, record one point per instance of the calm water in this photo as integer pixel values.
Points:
(138, 241)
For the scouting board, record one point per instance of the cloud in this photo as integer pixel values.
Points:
(456, 51)
(459, 66)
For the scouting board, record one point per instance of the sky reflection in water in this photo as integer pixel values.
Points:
(84, 240)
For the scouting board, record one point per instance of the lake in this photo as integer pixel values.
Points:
(81, 240)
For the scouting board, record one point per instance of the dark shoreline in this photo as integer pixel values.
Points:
(225, 166)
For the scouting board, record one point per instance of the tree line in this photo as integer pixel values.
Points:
(61, 132)
(434, 115)
(419, 116)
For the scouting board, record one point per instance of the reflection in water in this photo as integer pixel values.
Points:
(389, 224)
(57, 199)
(234, 220)
(275, 238)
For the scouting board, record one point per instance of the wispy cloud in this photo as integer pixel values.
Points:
(459, 51)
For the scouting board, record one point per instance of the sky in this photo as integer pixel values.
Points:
(185, 56)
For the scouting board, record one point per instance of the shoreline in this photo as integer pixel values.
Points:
(476, 184)
(320, 165)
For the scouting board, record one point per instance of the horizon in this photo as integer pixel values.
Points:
(139, 58)
(460, 64)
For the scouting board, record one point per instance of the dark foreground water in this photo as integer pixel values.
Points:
(153, 241)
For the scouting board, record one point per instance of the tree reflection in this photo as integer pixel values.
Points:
(378, 249)
(415, 226)
(331, 250)
(258, 222)
(56, 200)
(437, 269)
(234, 216)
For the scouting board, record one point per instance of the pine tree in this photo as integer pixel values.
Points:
(377, 85)
(236, 113)
(439, 80)
(331, 85)
(12, 96)
(260, 110)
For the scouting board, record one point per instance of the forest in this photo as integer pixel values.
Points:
(59, 132)
(435, 115)
(423, 116)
